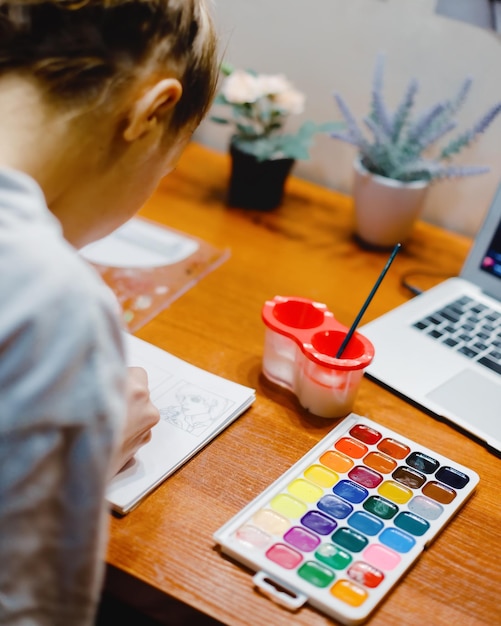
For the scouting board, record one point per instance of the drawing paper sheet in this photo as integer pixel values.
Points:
(195, 405)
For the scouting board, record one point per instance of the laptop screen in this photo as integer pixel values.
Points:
(483, 264)
(491, 262)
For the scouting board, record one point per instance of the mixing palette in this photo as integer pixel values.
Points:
(343, 524)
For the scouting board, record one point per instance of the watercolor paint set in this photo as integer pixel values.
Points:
(344, 523)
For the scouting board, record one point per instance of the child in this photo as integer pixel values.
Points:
(97, 100)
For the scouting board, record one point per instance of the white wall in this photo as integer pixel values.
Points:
(327, 45)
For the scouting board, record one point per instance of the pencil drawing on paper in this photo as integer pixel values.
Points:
(192, 408)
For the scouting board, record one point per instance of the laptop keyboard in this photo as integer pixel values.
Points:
(469, 327)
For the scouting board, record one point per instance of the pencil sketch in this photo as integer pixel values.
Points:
(192, 408)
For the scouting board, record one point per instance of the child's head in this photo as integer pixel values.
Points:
(110, 92)
(83, 51)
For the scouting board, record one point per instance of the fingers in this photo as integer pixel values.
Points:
(139, 399)
(141, 416)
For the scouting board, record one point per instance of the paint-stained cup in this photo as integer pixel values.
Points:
(301, 342)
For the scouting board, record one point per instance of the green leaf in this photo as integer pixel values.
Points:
(246, 130)
(330, 127)
(219, 120)
(220, 99)
(296, 150)
(226, 68)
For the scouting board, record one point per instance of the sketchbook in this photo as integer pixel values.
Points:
(195, 406)
(149, 265)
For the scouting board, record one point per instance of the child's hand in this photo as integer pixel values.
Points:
(141, 416)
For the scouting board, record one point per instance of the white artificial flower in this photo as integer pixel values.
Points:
(241, 87)
(291, 101)
(272, 84)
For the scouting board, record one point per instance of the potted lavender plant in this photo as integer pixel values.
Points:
(398, 159)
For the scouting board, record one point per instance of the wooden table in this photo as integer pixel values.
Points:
(164, 549)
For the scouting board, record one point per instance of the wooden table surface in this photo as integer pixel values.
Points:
(164, 548)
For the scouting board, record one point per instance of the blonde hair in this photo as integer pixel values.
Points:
(81, 50)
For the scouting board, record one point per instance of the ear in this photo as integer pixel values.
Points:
(150, 107)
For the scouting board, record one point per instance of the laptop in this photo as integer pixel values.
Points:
(442, 349)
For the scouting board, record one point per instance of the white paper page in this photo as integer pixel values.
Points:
(194, 405)
(140, 244)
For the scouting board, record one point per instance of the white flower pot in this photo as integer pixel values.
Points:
(385, 209)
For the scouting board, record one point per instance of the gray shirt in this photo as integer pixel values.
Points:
(62, 404)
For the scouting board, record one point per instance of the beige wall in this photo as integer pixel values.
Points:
(327, 45)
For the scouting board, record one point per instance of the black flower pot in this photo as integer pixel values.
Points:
(256, 184)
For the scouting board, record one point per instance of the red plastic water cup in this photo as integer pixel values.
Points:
(301, 342)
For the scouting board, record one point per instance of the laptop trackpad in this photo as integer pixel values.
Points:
(474, 399)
